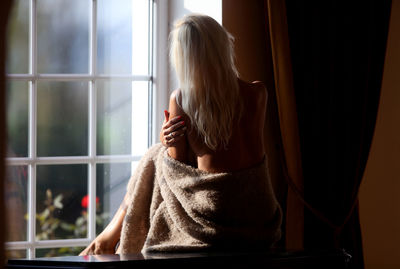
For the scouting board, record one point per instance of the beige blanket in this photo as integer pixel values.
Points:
(175, 207)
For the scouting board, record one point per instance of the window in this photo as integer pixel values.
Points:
(79, 117)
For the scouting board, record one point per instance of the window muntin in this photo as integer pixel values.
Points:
(77, 97)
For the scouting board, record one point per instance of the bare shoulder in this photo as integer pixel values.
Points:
(174, 108)
(172, 97)
(174, 94)
(255, 91)
(260, 89)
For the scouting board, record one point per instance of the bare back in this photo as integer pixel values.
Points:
(246, 145)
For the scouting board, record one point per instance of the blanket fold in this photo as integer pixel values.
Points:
(175, 207)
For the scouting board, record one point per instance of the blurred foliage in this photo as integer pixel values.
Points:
(49, 224)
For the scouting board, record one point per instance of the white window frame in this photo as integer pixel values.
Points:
(158, 101)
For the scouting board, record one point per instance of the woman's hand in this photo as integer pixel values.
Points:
(172, 130)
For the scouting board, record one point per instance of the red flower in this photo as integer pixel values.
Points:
(85, 201)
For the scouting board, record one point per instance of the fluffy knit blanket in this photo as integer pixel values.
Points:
(175, 207)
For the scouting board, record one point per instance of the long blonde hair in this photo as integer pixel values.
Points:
(203, 57)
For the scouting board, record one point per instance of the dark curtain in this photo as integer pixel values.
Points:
(290, 158)
(337, 50)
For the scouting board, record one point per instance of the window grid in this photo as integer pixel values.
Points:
(91, 232)
(92, 159)
(75, 77)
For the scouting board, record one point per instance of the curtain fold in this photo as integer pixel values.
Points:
(276, 20)
(328, 63)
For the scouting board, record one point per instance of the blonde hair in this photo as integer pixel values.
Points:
(203, 57)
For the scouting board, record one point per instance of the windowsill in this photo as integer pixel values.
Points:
(256, 259)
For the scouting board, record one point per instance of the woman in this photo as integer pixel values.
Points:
(215, 125)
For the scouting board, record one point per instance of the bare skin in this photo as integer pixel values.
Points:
(246, 146)
(245, 149)
(106, 241)
(172, 130)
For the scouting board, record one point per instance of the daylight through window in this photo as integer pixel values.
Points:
(79, 110)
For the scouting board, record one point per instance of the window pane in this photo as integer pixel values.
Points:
(63, 36)
(62, 112)
(17, 118)
(56, 252)
(140, 36)
(140, 118)
(16, 197)
(18, 38)
(114, 109)
(112, 180)
(59, 194)
(114, 40)
(15, 254)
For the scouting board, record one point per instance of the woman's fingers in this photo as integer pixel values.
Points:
(172, 121)
(173, 124)
(166, 115)
(173, 137)
(171, 141)
(173, 128)
(177, 133)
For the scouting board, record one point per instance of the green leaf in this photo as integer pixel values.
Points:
(80, 221)
(45, 214)
(67, 226)
(45, 226)
(54, 226)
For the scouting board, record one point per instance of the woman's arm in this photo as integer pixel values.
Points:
(172, 130)
(178, 150)
(107, 240)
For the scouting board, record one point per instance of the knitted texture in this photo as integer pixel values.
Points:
(175, 207)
